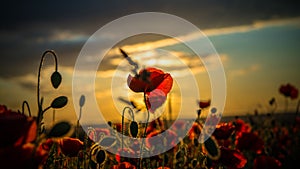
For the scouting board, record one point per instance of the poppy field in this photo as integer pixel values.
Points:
(258, 141)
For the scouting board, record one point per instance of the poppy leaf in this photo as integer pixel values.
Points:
(60, 129)
(56, 79)
(107, 142)
(81, 100)
(59, 102)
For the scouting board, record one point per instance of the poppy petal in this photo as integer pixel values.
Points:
(166, 84)
(155, 99)
(136, 84)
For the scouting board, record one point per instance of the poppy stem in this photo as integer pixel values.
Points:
(297, 108)
(286, 104)
(40, 110)
(122, 128)
(145, 130)
(28, 108)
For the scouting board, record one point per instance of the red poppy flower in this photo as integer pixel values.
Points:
(289, 90)
(250, 141)
(124, 153)
(47, 144)
(70, 146)
(155, 124)
(266, 162)
(179, 124)
(170, 137)
(154, 83)
(151, 142)
(223, 130)
(212, 120)
(18, 129)
(204, 104)
(22, 156)
(123, 165)
(241, 126)
(232, 159)
(119, 127)
(97, 133)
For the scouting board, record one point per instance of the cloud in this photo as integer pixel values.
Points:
(63, 36)
(251, 27)
(244, 71)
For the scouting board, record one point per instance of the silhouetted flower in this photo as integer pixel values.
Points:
(124, 165)
(70, 146)
(98, 132)
(154, 83)
(250, 141)
(289, 90)
(22, 156)
(16, 128)
(169, 136)
(241, 126)
(16, 147)
(204, 104)
(118, 127)
(179, 124)
(155, 124)
(223, 130)
(232, 159)
(266, 162)
(124, 153)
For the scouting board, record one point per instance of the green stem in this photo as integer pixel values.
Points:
(145, 130)
(39, 100)
(297, 108)
(77, 124)
(122, 130)
(53, 117)
(40, 69)
(28, 108)
(286, 104)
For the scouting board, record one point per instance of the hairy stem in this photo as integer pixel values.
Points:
(39, 100)
(145, 130)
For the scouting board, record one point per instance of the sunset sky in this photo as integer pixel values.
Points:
(257, 41)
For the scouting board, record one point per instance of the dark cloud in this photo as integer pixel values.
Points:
(24, 23)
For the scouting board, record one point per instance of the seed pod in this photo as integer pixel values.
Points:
(60, 129)
(55, 79)
(59, 102)
(97, 155)
(134, 128)
(212, 148)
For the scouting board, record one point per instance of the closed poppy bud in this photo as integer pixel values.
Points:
(212, 148)
(55, 79)
(134, 128)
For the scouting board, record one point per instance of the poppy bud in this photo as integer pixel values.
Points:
(212, 148)
(55, 79)
(133, 128)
